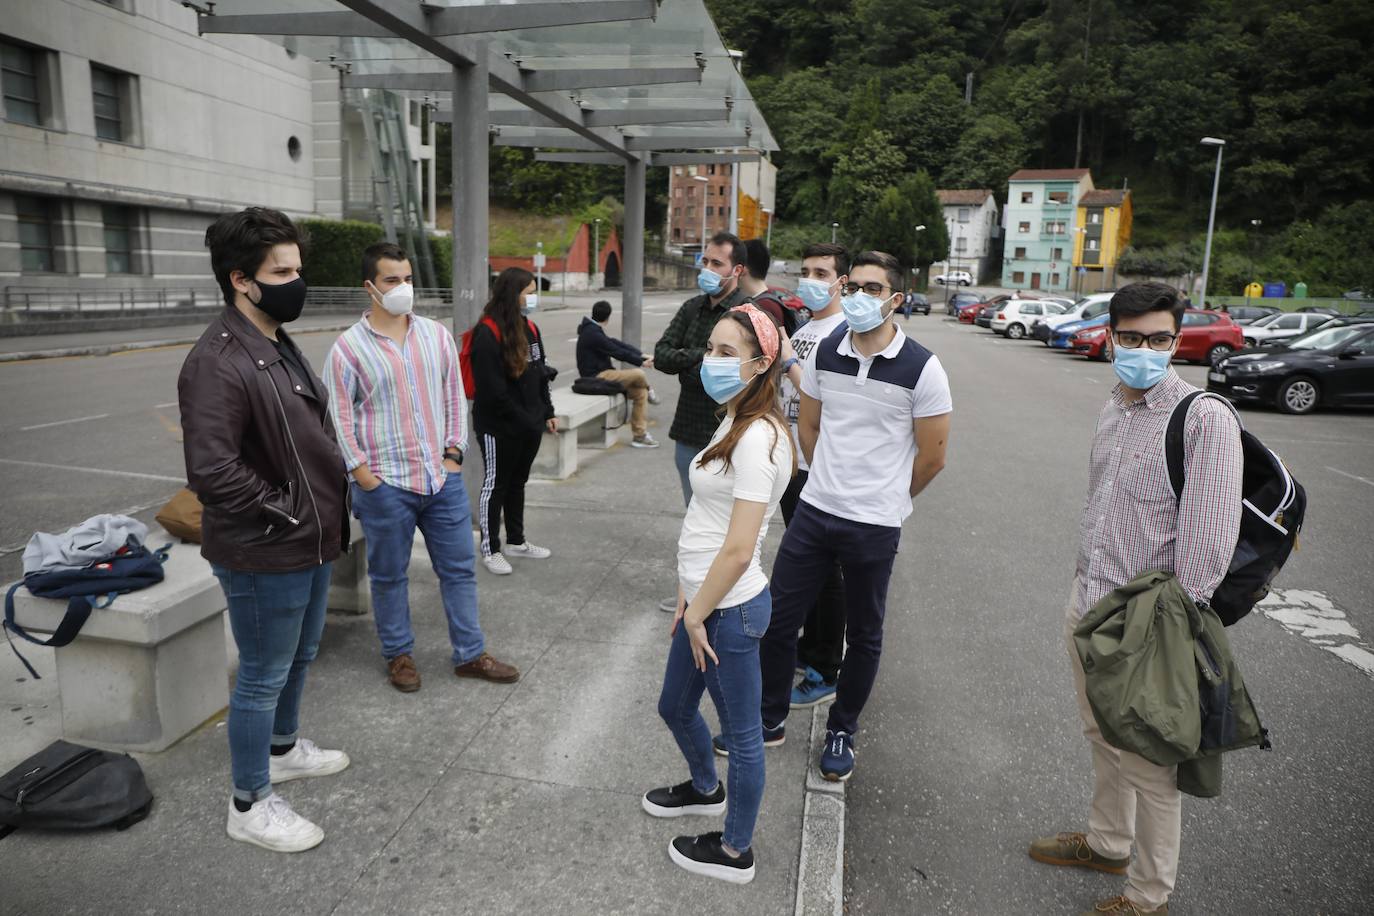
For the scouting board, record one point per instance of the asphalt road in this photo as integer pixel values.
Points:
(971, 745)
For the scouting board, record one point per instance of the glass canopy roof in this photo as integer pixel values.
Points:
(720, 112)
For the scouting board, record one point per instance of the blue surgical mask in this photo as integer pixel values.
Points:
(720, 377)
(1141, 368)
(863, 312)
(531, 303)
(709, 282)
(814, 294)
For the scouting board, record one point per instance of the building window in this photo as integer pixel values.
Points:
(1023, 227)
(710, 170)
(963, 214)
(1020, 253)
(710, 211)
(1054, 279)
(21, 72)
(1095, 217)
(1027, 197)
(1018, 277)
(113, 96)
(121, 229)
(677, 235)
(677, 212)
(691, 211)
(961, 244)
(1092, 244)
(1059, 197)
(1056, 254)
(38, 233)
(677, 170)
(1055, 227)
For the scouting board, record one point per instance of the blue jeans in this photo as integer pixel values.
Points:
(277, 619)
(736, 687)
(683, 455)
(389, 516)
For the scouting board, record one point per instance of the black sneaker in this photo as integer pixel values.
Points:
(675, 801)
(702, 855)
(772, 737)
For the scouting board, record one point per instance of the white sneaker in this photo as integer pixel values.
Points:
(271, 824)
(644, 441)
(306, 759)
(653, 396)
(497, 565)
(528, 551)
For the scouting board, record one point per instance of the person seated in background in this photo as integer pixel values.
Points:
(595, 351)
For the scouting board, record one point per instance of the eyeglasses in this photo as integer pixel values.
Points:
(873, 289)
(1132, 340)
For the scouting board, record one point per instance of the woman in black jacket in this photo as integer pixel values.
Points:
(511, 409)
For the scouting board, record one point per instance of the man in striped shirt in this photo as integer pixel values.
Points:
(1132, 523)
(396, 394)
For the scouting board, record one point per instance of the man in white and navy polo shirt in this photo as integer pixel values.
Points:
(873, 423)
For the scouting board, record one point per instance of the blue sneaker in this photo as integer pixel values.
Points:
(837, 757)
(812, 690)
(772, 737)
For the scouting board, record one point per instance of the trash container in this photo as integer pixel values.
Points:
(1254, 290)
(1300, 290)
(1275, 290)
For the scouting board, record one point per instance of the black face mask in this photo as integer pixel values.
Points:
(282, 301)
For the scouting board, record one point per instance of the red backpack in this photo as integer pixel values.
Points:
(465, 352)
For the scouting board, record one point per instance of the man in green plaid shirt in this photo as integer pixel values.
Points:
(680, 349)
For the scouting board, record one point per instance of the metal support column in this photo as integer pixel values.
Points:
(469, 152)
(632, 267)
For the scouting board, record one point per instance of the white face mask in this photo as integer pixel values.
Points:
(399, 300)
(531, 303)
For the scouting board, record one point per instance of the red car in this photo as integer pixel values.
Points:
(970, 311)
(1205, 337)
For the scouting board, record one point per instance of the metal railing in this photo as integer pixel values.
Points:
(56, 301)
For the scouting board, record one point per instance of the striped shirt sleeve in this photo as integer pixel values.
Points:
(340, 381)
(1210, 507)
(455, 399)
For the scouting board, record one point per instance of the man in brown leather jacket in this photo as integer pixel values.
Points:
(262, 457)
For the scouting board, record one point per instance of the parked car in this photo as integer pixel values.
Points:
(916, 302)
(1015, 316)
(955, 278)
(1208, 336)
(1090, 341)
(1245, 314)
(1331, 367)
(986, 314)
(960, 299)
(1320, 310)
(1282, 326)
(1064, 301)
(1089, 306)
(968, 312)
(1062, 335)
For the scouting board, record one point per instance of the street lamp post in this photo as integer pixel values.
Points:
(834, 228)
(596, 252)
(1082, 233)
(1211, 217)
(768, 240)
(920, 228)
(705, 182)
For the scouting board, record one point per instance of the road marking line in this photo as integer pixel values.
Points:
(1351, 476)
(165, 406)
(132, 510)
(99, 416)
(1316, 618)
(68, 467)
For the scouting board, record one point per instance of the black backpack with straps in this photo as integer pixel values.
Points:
(1273, 506)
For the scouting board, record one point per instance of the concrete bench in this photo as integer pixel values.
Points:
(582, 421)
(155, 664)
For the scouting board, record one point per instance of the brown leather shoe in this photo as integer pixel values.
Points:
(404, 676)
(1073, 849)
(1124, 906)
(489, 669)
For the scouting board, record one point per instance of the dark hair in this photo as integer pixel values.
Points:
(756, 256)
(374, 253)
(887, 262)
(240, 241)
(601, 310)
(737, 253)
(760, 400)
(1136, 299)
(504, 309)
(837, 253)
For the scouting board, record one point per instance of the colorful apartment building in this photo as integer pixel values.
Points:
(1039, 226)
(971, 220)
(1105, 217)
(693, 189)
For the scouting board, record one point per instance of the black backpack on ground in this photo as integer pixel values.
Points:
(70, 787)
(1271, 517)
(89, 587)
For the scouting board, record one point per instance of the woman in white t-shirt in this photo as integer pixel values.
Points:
(723, 601)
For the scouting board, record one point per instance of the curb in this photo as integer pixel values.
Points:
(820, 868)
(129, 346)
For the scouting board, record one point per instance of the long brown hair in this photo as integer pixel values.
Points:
(759, 401)
(504, 309)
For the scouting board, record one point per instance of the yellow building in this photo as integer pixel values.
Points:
(1102, 233)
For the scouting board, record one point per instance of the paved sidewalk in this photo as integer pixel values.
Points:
(466, 796)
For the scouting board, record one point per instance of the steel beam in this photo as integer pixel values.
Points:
(579, 158)
(464, 20)
(558, 139)
(703, 158)
(470, 190)
(632, 262)
(410, 82)
(563, 80)
(512, 117)
(688, 141)
(341, 24)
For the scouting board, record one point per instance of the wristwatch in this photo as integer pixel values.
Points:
(789, 363)
(456, 456)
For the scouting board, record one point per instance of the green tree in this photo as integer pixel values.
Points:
(862, 174)
(986, 155)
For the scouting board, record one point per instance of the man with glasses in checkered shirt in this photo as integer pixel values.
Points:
(1132, 524)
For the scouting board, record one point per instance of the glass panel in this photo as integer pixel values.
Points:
(119, 223)
(35, 234)
(20, 79)
(105, 88)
